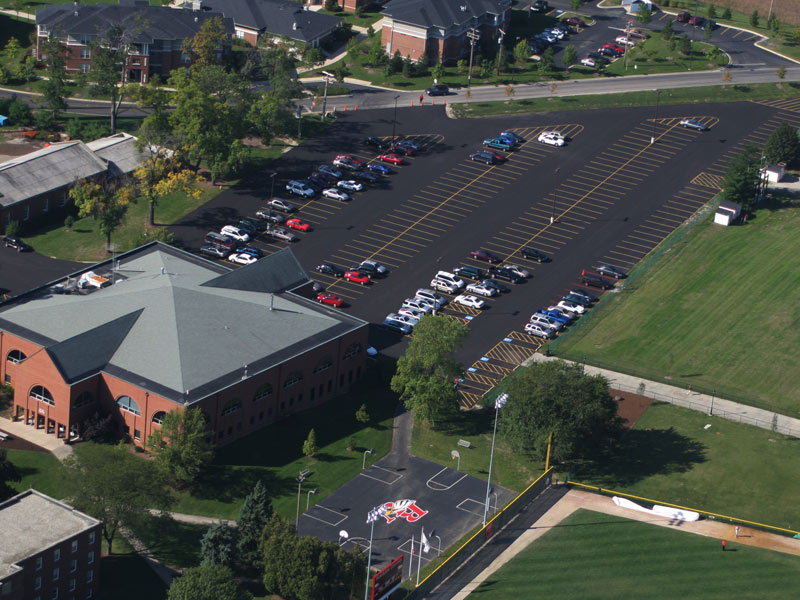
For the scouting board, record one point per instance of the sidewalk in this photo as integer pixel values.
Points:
(711, 405)
(49, 442)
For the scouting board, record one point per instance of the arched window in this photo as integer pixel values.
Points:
(262, 393)
(129, 404)
(352, 351)
(323, 364)
(83, 399)
(158, 418)
(293, 379)
(231, 407)
(42, 394)
(16, 356)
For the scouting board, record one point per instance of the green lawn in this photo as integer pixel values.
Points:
(366, 19)
(596, 556)
(39, 470)
(654, 56)
(173, 543)
(731, 469)
(718, 311)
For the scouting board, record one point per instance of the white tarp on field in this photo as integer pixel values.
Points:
(658, 510)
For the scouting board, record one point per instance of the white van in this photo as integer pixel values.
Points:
(432, 297)
(450, 277)
(442, 285)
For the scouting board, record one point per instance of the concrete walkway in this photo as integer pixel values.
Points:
(711, 405)
(51, 443)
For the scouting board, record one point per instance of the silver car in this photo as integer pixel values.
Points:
(417, 304)
(546, 321)
(282, 234)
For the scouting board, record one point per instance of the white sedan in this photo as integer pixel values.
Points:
(242, 259)
(481, 289)
(588, 62)
(572, 307)
(471, 301)
(519, 270)
(553, 138)
(411, 312)
(351, 185)
(336, 194)
(235, 233)
(624, 41)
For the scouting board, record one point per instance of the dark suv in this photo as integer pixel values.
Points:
(506, 274)
(469, 271)
(683, 17)
(539, 6)
(534, 254)
(596, 281)
(15, 243)
(438, 90)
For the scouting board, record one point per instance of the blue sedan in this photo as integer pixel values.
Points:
(379, 168)
(556, 315)
(499, 143)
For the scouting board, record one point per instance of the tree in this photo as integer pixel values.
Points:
(546, 62)
(181, 446)
(100, 429)
(575, 4)
(207, 582)
(774, 24)
(269, 117)
(570, 55)
(114, 486)
(667, 32)
(162, 174)
(707, 34)
(714, 53)
(781, 72)
(256, 512)
(407, 67)
(559, 398)
(362, 416)
(99, 201)
(426, 372)
(437, 71)
(20, 113)
(782, 145)
(54, 88)
(684, 45)
(711, 12)
(376, 56)
(645, 14)
(726, 14)
(522, 52)
(205, 46)
(742, 177)
(218, 545)
(26, 70)
(754, 18)
(310, 445)
(8, 472)
(12, 48)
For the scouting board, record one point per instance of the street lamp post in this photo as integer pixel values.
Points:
(440, 545)
(325, 96)
(372, 516)
(498, 404)
(499, 48)
(308, 496)
(364, 462)
(653, 137)
(300, 479)
(711, 410)
(272, 185)
(394, 120)
(473, 35)
(555, 187)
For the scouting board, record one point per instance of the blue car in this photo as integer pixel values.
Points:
(556, 315)
(257, 252)
(499, 143)
(379, 168)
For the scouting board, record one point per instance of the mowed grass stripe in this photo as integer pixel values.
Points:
(720, 310)
(598, 556)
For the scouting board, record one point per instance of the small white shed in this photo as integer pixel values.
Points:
(774, 173)
(727, 213)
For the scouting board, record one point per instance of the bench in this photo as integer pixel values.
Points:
(305, 473)
(464, 443)
(4, 436)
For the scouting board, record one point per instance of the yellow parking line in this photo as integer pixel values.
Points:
(627, 256)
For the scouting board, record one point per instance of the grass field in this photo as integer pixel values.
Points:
(39, 470)
(596, 556)
(718, 311)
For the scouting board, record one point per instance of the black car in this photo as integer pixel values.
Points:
(438, 90)
(534, 254)
(376, 143)
(539, 6)
(596, 281)
(537, 45)
(15, 243)
(252, 251)
(402, 149)
(483, 156)
(317, 183)
(270, 216)
(247, 228)
(578, 299)
(598, 57)
(215, 251)
(612, 271)
(506, 274)
(366, 176)
(323, 176)
(610, 52)
(330, 269)
(501, 288)
(583, 294)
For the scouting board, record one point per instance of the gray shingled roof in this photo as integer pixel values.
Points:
(169, 326)
(277, 17)
(56, 166)
(119, 151)
(149, 23)
(441, 13)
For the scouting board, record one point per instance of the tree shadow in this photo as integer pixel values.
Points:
(467, 423)
(641, 454)
(224, 484)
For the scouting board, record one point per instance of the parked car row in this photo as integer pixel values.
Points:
(413, 309)
(541, 41)
(507, 140)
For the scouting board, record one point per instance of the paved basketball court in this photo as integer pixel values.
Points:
(445, 502)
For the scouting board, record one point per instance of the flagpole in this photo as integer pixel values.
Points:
(419, 564)
(411, 562)
(501, 400)
(369, 560)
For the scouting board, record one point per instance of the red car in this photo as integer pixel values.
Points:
(298, 224)
(404, 150)
(330, 299)
(575, 22)
(392, 158)
(357, 277)
(615, 48)
(485, 255)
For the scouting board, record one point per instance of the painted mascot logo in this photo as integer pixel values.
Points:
(403, 509)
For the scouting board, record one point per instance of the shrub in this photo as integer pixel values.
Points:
(20, 113)
(13, 228)
(69, 222)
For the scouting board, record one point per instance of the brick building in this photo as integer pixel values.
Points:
(47, 550)
(438, 28)
(158, 329)
(156, 34)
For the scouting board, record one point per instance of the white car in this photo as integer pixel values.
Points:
(538, 330)
(336, 194)
(235, 233)
(410, 321)
(552, 138)
(588, 61)
(411, 312)
(242, 259)
(624, 41)
(471, 301)
(440, 285)
(545, 321)
(351, 185)
(518, 270)
(481, 289)
(572, 307)
(418, 305)
(431, 296)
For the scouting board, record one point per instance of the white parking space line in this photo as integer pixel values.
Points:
(438, 487)
(333, 522)
(390, 479)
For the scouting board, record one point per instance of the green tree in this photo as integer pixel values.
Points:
(8, 472)
(426, 371)
(575, 4)
(269, 117)
(205, 46)
(570, 55)
(461, 65)
(742, 177)
(754, 18)
(207, 582)
(781, 72)
(20, 113)
(181, 446)
(313, 56)
(114, 486)
(684, 45)
(726, 14)
(26, 69)
(109, 67)
(707, 34)
(546, 62)
(559, 398)
(438, 71)
(218, 545)
(774, 24)
(407, 67)
(362, 416)
(256, 512)
(54, 88)
(12, 48)
(310, 445)
(522, 52)
(370, 31)
(376, 56)
(353, 49)
(101, 202)
(714, 53)
(667, 32)
(782, 145)
(645, 14)
(711, 12)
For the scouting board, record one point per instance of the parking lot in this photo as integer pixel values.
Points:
(613, 196)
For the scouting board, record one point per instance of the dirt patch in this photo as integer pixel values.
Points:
(630, 406)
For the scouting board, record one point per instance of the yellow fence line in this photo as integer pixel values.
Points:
(598, 489)
(482, 529)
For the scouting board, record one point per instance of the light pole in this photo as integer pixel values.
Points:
(499, 48)
(498, 404)
(299, 120)
(325, 96)
(555, 186)
(314, 491)
(372, 516)
(653, 137)
(300, 479)
(364, 462)
(473, 36)
(439, 553)
(394, 121)
(711, 410)
(272, 185)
